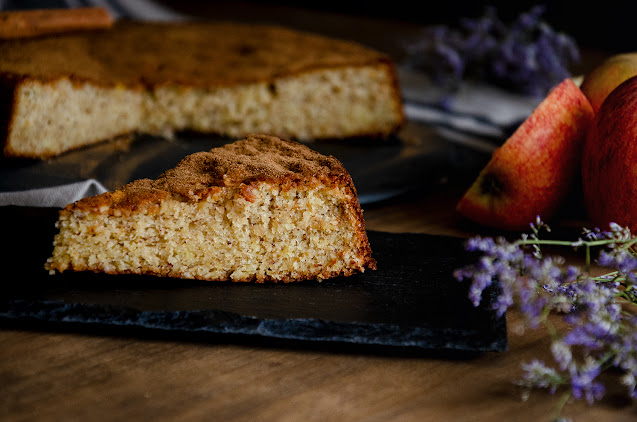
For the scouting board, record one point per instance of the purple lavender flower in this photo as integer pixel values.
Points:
(537, 375)
(623, 261)
(562, 353)
(588, 335)
(526, 55)
(601, 333)
(583, 381)
(503, 302)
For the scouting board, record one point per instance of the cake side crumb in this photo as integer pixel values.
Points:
(274, 235)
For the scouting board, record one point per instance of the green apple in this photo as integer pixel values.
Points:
(609, 160)
(604, 78)
(532, 173)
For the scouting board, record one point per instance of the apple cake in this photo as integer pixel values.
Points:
(258, 209)
(66, 91)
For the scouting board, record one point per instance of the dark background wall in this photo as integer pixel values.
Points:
(599, 24)
(608, 25)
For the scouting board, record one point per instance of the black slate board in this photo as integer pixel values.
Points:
(410, 301)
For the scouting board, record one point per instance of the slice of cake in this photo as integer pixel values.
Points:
(62, 92)
(259, 209)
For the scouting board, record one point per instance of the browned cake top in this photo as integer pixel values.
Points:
(192, 53)
(256, 158)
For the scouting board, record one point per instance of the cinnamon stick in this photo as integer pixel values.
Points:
(32, 23)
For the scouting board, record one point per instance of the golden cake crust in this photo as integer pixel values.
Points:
(159, 53)
(257, 158)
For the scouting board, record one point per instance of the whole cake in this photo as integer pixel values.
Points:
(65, 91)
(259, 209)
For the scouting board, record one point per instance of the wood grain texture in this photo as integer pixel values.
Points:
(65, 376)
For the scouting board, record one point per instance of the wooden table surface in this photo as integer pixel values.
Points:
(69, 376)
(79, 376)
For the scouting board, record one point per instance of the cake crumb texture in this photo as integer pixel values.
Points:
(260, 209)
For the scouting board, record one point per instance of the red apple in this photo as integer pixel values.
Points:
(609, 160)
(604, 78)
(534, 170)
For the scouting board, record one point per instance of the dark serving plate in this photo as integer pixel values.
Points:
(411, 301)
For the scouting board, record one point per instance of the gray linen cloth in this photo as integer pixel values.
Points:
(56, 196)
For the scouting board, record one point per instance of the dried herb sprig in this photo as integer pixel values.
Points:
(599, 310)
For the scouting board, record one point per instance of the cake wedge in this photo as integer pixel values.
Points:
(258, 209)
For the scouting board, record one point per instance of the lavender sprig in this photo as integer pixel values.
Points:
(526, 56)
(599, 310)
